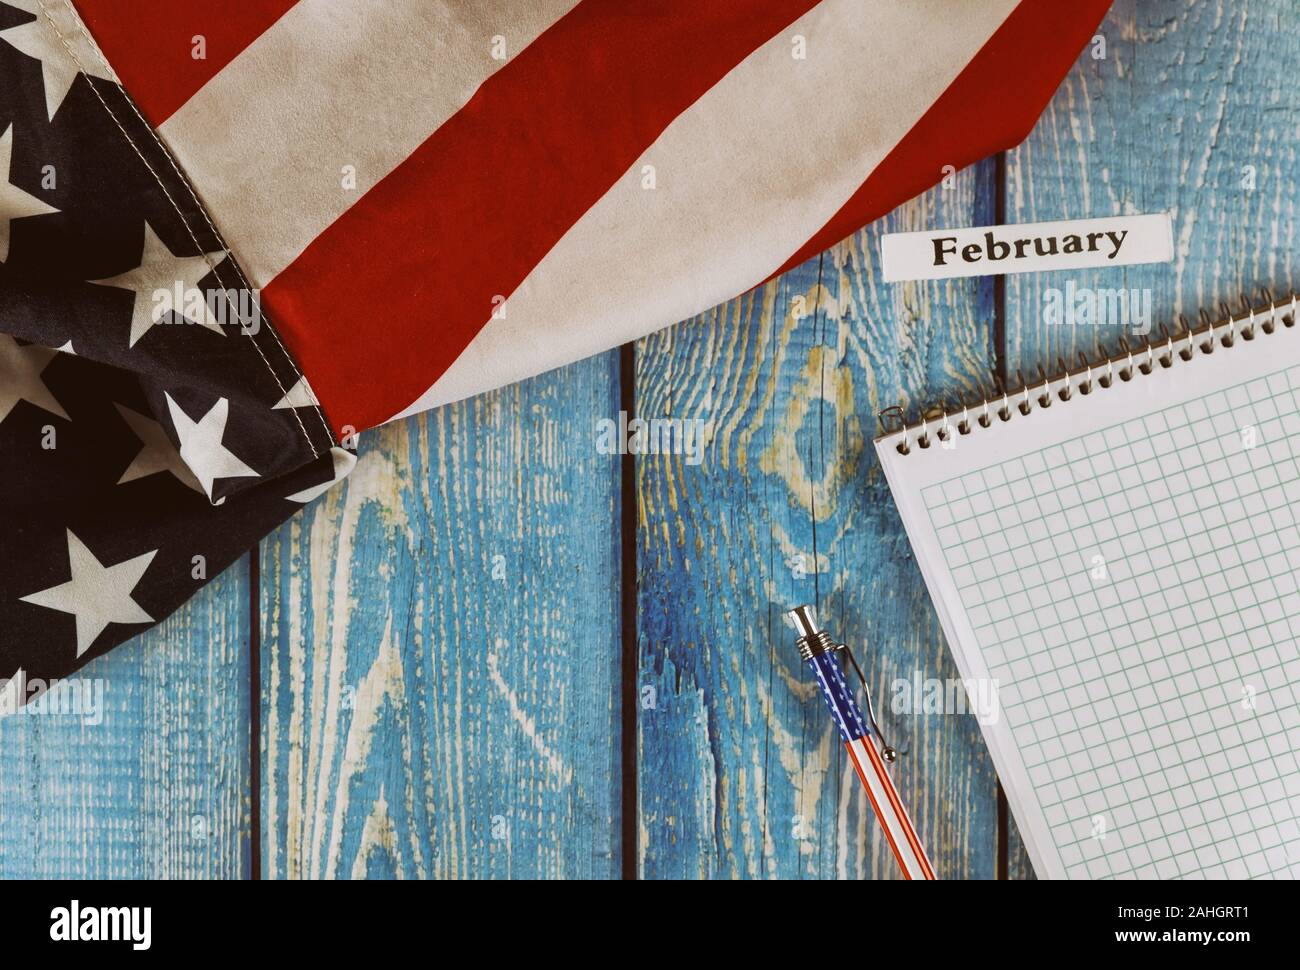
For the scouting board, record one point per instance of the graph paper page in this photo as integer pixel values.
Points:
(1126, 566)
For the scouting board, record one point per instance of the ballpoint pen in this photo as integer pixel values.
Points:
(818, 650)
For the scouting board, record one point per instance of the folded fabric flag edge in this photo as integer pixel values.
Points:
(154, 426)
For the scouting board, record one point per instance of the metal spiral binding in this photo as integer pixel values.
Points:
(1065, 383)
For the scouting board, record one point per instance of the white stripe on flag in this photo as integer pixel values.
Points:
(742, 179)
(266, 140)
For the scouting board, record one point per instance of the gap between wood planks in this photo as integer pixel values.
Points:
(1000, 359)
(254, 854)
(628, 601)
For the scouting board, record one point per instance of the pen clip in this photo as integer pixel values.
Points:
(886, 750)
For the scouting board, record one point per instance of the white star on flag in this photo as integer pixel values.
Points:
(14, 202)
(158, 453)
(160, 270)
(36, 39)
(96, 595)
(20, 377)
(298, 396)
(201, 446)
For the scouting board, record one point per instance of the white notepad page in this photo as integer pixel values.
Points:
(1126, 566)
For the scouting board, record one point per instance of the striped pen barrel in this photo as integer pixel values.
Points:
(869, 755)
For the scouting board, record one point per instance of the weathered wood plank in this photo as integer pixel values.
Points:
(441, 648)
(1188, 112)
(741, 773)
(156, 786)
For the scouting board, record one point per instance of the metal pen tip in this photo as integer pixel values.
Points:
(804, 618)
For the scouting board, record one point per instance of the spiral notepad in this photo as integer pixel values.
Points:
(1117, 546)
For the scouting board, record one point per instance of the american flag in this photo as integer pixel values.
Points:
(235, 233)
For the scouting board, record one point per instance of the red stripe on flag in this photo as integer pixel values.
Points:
(992, 105)
(382, 302)
(151, 43)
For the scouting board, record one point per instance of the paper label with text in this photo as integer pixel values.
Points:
(1030, 247)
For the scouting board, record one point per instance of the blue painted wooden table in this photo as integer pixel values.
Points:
(498, 651)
